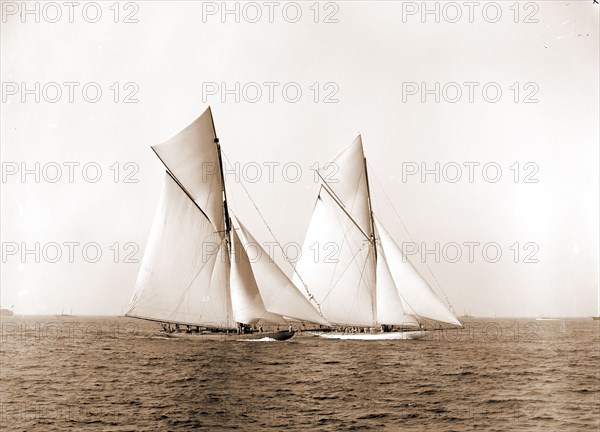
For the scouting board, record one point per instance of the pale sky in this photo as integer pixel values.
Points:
(173, 54)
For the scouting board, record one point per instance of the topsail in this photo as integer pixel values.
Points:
(192, 157)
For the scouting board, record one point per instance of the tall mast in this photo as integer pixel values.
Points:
(225, 209)
(373, 292)
(370, 210)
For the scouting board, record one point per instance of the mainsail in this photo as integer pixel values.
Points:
(184, 276)
(337, 265)
(195, 268)
(365, 280)
(277, 291)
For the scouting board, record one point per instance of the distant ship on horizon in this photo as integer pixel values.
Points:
(466, 315)
(545, 318)
(63, 314)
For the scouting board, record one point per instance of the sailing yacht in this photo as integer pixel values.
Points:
(365, 286)
(64, 315)
(195, 271)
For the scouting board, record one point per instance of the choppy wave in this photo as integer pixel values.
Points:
(118, 375)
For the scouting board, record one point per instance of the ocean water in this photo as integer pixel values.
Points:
(118, 374)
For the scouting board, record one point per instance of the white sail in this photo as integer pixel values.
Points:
(278, 292)
(337, 264)
(247, 303)
(418, 298)
(345, 175)
(191, 156)
(389, 305)
(184, 275)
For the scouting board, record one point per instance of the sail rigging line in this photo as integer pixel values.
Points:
(411, 239)
(186, 291)
(362, 272)
(355, 192)
(341, 267)
(160, 321)
(333, 283)
(310, 295)
(339, 202)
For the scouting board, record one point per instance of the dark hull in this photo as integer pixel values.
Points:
(282, 335)
(278, 336)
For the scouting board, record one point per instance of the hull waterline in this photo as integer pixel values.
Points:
(405, 335)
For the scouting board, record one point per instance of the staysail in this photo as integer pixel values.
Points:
(278, 293)
(418, 298)
(389, 305)
(247, 303)
(346, 176)
(184, 275)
